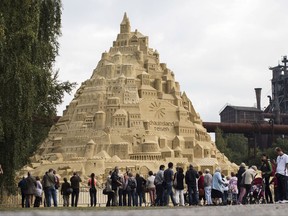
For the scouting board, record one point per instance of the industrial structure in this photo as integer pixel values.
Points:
(261, 127)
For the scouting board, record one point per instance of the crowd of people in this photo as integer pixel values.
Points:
(127, 189)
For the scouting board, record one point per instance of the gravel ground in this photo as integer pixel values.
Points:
(239, 210)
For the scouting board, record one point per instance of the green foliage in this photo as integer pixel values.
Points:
(29, 87)
(234, 146)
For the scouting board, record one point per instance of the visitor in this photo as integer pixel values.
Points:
(201, 189)
(158, 182)
(151, 187)
(233, 189)
(246, 183)
(38, 193)
(179, 186)
(225, 189)
(281, 175)
(66, 190)
(217, 187)
(242, 169)
(29, 190)
(266, 169)
(48, 183)
(274, 181)
(116, 182)
(168, 184)
(55, 189)
(108, 190)
(190, 179)
(75, 185)
(131, 190)
(22, 186)
(92, 190)
(141, 182)
(208, 187)
(121, 191)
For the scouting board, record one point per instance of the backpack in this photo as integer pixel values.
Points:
(132, 184)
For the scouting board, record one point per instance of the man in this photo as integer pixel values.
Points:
(266, 169)
(30, 190)
(208, 186)
(281, 174)
(159, 178)
(22, 185)
(190, 179)
(75, 185)
(49, 188)
(115, 182)
(168, 184)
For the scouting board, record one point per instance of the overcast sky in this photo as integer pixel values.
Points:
(219, 50)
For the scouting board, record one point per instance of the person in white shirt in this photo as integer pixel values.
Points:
(281, 174)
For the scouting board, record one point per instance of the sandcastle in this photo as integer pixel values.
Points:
(130, 113)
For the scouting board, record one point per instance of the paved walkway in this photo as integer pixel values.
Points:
(243, 210)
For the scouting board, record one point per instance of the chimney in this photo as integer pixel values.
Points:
(258, 97)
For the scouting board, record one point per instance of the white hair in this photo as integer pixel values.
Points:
(218, 169)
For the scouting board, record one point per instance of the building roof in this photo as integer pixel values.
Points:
(242, 108)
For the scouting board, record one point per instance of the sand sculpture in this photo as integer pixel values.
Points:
(130, 113)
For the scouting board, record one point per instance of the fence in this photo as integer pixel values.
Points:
(84, 199)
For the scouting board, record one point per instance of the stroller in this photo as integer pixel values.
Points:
(257, 191)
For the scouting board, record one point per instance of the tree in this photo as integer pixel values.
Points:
(30, 89)
(221, 143)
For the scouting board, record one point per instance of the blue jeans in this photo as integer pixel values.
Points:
(54, 196)
(140, 195)
(131, 197)
(169, 192)
(48, 196)
(192, 193)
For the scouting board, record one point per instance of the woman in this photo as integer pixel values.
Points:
(38, 192)
(232, 188)
(217, 186)
(239, 174)
(246, 182)
(131, 190)
(151, 187)
(92, 190)
(201, 188)
(108, 189)
(179, 186)
(141, 182)
(266, 169)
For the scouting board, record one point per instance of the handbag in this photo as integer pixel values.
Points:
(105, 191)
(175, 181)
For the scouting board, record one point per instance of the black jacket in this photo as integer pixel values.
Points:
(190, 177)
(180, 181)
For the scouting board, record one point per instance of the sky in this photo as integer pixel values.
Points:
(218, 50)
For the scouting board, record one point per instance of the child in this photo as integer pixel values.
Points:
(66, 190)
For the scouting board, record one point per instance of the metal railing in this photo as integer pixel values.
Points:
(83, 201)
